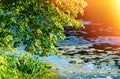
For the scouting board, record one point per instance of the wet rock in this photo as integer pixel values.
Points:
(73, 62)
(60, 48)
(92, 49)
(111, 62)
(80, 32)
(118, 48)
(95, 53)
(82, 52)
(98, 52)
(110, 52)
(81, 47)
(90, 53)
(62, 51)
(72, 57)
(88, 50)
(70, 33)
(102, 51)
(108, 48)
(87, 60)
(71, 48)
(79, 54)
(80, 61)
(71, 53)
(103, 64)
(119, 62)
(116, 62)
(96, 58)
(113, 56)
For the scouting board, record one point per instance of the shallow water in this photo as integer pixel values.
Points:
(84, 70)
(88, 53)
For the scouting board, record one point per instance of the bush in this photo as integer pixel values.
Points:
(24, 66)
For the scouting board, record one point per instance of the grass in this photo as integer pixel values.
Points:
(14, 65)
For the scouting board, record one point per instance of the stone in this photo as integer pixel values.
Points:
(110, 52)
(60, 48)
(80, 61)
(73, 62)
(92, 49)
(62, 52)
(108, 48)
(81, 47)
(82, 52)
(70, 52)
(111, 62)
(88, 50)
(100, 51)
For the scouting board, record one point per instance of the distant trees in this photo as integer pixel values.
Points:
(37, 24)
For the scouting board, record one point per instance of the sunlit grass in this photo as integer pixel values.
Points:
(24, 66)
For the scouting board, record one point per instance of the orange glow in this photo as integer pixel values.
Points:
(117, 13)
(106, 12)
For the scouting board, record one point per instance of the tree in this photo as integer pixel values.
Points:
(37, 24)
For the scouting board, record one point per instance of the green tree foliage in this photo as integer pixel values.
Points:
(37, 24)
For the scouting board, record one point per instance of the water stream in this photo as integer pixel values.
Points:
(88, 53)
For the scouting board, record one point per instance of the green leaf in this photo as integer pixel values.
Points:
(44, 18)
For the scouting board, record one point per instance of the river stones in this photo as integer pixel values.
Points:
(82, 56)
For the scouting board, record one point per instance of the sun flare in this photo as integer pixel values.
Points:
(117, 12)
(118, 4)
(114, 7)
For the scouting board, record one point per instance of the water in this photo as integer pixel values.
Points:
(88, 53)
(92, 52)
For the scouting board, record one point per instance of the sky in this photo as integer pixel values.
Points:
(106, 12)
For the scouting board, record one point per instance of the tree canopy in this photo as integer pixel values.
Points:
(37, 24)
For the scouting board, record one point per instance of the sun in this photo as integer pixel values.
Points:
(116, 12)
(118, 4)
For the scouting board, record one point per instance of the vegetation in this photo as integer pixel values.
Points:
(24, 66)
(36, 24)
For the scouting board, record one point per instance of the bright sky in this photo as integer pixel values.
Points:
(117, 11)
(104, 11)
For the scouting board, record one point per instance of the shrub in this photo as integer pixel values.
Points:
(24, 66)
